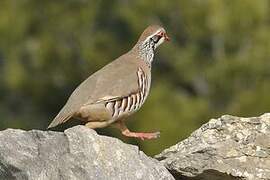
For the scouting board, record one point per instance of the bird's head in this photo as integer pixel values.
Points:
(153, 36)
(150, 39)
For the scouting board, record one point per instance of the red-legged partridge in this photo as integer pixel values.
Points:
(118, 89)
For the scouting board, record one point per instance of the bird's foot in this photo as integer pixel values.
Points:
(125, 131)
(141, 135)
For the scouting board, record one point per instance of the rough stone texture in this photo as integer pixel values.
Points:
(78, 153)
(225, 148)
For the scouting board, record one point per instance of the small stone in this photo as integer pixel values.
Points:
(230, 127)
(239, 136)
(232, 153)
(242, 159)
(261, 153)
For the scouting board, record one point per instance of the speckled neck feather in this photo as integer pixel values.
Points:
(146, 51)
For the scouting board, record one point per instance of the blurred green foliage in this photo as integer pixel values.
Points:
(218, 61)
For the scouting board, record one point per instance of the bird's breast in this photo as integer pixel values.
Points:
(129, 104)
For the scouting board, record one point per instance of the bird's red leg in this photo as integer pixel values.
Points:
(142, 135)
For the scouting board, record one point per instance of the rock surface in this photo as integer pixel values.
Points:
(78, 153)
(225, 148)
(222, 149)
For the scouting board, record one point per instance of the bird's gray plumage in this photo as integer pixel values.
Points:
(109, 82)
(117, 80)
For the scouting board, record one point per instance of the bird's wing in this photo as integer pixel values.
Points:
(114, 80)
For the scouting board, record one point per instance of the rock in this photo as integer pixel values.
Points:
(225, 148)
(78, 153)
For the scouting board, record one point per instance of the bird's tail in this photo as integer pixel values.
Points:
(62, 117)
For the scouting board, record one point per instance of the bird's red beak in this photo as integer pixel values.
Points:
(167, 38)
(163, 34)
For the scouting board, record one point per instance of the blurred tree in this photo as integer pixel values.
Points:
(217, 61)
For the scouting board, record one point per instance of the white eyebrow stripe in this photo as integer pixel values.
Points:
(147, 39)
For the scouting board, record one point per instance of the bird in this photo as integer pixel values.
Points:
(116, 91)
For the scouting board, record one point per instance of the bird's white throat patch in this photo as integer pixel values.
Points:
(146, 51)
(148, 46)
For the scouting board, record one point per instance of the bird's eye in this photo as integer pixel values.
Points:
(156, 38)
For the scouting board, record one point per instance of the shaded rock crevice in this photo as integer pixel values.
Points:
(210, 174)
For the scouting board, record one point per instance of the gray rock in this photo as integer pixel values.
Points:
(78, 153)
(225, 148)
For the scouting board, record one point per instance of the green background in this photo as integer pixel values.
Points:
(217, 61)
